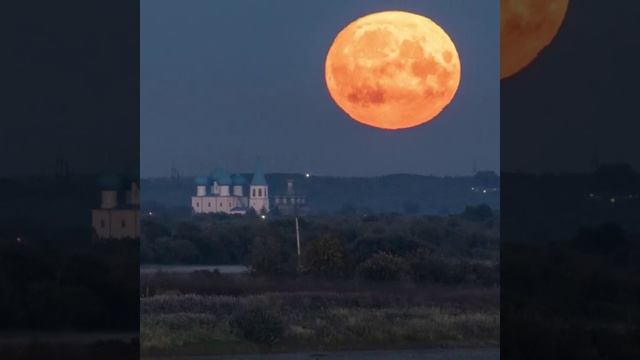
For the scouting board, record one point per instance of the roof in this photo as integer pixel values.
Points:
(203, 180)
(221, 177)
(238, 179)
(110, 182)
(258, 176)
(224, 180)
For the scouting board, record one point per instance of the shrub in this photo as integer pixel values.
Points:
(326, 257)
(436, 269)
(270, 256)
(258, 324)
(175, 250)
(383, 267)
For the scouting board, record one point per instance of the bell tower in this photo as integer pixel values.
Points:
(259, 192)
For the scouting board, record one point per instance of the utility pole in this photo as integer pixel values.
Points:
(298, 241)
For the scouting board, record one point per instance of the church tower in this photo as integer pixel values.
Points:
(259, 192)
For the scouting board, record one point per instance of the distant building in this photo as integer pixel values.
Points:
(226, 194)
(118, 215)
(291, 203)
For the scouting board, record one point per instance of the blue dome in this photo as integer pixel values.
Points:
(238, 179)
(258, 175)
(203, 180)
(109, 182)
(258, 178)
(224, 180)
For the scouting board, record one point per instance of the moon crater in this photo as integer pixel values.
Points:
(392, 70)
(526, 28)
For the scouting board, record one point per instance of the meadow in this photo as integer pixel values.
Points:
(363, 316)
(361, 283)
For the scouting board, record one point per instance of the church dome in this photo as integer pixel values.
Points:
(258, 177)
(224, 180)
(203, 180)
(109, 182)
(238, 179)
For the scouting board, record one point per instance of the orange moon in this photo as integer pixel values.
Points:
(392, 70)
(527, 27)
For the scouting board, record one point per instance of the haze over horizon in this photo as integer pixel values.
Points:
(303, 173)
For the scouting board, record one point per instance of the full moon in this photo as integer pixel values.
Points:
(392, 70)
(527, 27)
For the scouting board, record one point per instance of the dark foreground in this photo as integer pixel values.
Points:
(461, 354)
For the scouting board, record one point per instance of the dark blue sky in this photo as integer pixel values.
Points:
(223, 82)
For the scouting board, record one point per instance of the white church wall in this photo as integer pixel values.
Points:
(259, 199)
(116, 223)
(196, 204)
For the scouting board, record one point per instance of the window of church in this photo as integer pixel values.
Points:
(123, 223)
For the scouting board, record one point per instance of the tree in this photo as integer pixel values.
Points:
(275, 212)
(152, 230)
(187, 230)
(383, 267)
(170, 250)
(427, 267)
(270, 256)
(326, 257)
(251, 212)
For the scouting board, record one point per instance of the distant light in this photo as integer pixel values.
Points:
(150, 213)
(263, 217)
(473, 189)
(591, 195)
(19, 239)
(613, 200)
(307, 175)
(484, 191)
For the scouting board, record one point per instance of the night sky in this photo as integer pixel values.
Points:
(225, 82)
(70, 76)
(579, 98)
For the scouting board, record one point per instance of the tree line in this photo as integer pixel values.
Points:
(443, 249)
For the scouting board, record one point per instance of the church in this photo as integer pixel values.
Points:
(231, 194)
(118, 214)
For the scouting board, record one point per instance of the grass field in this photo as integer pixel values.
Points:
(328, 321)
